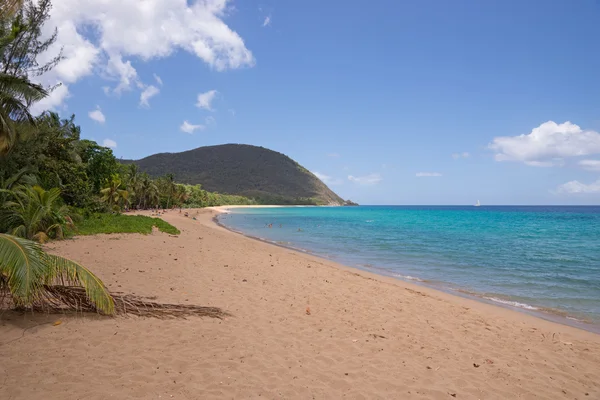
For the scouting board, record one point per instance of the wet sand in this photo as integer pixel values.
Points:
(302, 327)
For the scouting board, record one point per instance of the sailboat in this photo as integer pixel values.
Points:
(478, 204)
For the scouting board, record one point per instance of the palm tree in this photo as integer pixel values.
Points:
(181, 195)
(153, 194)
(134, 182)
(169, 187)
(27, 274)
(36, 214)
(15, 95)
(113, 195)
(147, 194)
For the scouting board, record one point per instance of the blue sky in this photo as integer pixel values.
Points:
(405, 102)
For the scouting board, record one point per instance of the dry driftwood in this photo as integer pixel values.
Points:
(60, 298)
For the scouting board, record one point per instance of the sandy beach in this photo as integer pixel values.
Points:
(301, 328)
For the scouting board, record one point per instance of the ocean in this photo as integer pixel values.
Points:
(539, 259)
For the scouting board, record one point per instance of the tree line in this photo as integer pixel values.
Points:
(50, 177)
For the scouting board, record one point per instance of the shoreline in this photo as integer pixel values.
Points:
(301, 327)
(547, 314)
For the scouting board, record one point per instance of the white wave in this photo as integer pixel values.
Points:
(370, 220)
(408, 277)
(512, 303)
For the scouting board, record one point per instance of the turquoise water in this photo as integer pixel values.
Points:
(541, 259)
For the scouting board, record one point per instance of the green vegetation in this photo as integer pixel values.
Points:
(263, 175)
(54, 183)
(119, 223)
(27, 273)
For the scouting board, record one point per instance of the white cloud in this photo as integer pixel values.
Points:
(547, 144)
(104, 36)
(147, 94)
(333, 155)
(576, 187)
(267, 21)
(456, 156)
(427, 174)
(190, 128)
(97, 115)
(205, 100)
(371, 179)
(326, 179)
(157, 79)
(117, 69)
(109, 143)
(590, 165)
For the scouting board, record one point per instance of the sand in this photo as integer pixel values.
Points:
(302, 328)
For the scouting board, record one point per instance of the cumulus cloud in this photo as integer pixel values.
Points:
(370, 179)
(328, 180)
(109, 143)
(576, 187)
(97, 115)
(205, 100)
(427, 174)
(104, 36)
(547, 145)
(123, 72)
(190, 128)
(267, 21)
(456, 156)
(157, 79)
(590, 165)
(147, 94)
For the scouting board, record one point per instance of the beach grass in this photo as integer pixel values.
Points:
(119, 223)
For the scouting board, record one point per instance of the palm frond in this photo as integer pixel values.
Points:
(75, 274)
(21, 262)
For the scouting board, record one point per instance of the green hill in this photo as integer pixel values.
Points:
(251, 171)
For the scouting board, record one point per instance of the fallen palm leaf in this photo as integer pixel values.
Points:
(60, 298)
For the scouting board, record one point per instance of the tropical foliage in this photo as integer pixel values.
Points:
(266, 176)
(27, 274)
(35, 213)
(54, 183)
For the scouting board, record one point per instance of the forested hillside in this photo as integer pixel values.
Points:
(250, 171)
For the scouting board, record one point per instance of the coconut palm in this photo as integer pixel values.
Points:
(134, 180)
(180, 195)
(15, 95)
(113, 195)
(148, 193)
(27, 274)
(36, 214)
(168, 187)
